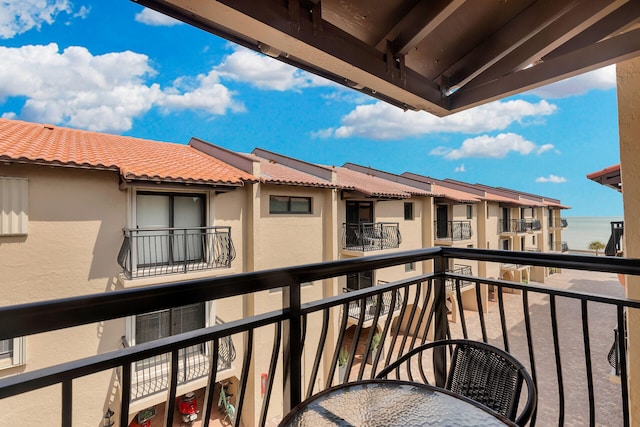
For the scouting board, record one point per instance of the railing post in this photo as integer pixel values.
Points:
(184, 251)
(440, 314)
(292, 343)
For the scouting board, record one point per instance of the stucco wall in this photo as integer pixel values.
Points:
(75, 230)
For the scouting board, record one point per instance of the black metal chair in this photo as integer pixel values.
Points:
(478, 371)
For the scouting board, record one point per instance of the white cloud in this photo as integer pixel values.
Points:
(603, 78)
(545, 147)
(82, 13)
(552, 178)
(156, 19)
(20, 16)
(384, 121)
(101, 92)
(459, 168)
(205, 92)
(264, 72)
(488, 146)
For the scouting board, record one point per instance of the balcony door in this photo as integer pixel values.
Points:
(172, 228)
(357, 213)
(506, 219)
(442, 221)
(362, 280)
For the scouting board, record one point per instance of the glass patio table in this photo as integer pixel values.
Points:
(374, 403)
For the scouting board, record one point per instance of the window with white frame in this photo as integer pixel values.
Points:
(165, 323)
(14, 206)
(469, 211)
(169, 227)
(12, 352)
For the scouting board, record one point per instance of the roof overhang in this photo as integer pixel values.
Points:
(609, 176)
(439, 56)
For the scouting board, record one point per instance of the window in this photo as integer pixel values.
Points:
(14, 206)
(408, 211)
(360, 280)
(165, 323)
(410, 266)
(505, 244)
(289, 205)
(12, 352)
(533, 240)
(522, 243)
(469, 211)
(169, 228)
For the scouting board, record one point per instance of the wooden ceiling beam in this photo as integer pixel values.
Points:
(422, 19)
(610, 51)
(587, 13)
(611, 24)
(511, 36)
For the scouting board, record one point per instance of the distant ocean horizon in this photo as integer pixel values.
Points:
(582, 230)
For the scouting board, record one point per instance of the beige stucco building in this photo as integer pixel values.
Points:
(88, 213)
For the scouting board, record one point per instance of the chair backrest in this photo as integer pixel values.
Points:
(478, 371)
(484, 375)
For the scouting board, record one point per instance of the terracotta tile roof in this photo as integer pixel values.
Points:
(133, 158)
(453, 194)
(275, 173)
(376, 187)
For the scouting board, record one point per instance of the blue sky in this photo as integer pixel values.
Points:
(116, 67)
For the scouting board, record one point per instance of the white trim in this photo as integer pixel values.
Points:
(130, 321)
(18, 355)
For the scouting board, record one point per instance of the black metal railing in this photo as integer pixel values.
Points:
(461, 270)
(519, 225)
(558, 222)
(371, 236)
(614, 245)
(544, 327)
(560, 246)
(452, 230)
(387, 303)
(157, 251)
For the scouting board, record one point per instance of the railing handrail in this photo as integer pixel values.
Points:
(138, 229)
(25, 319)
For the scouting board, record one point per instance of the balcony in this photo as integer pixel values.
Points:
(368, 308)
(452, 230)
(149, 252)
(527, 225)
(151, 375)
(562, 335)
(373, 236)
(560, 246)
(558, 222)
(461, 270)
